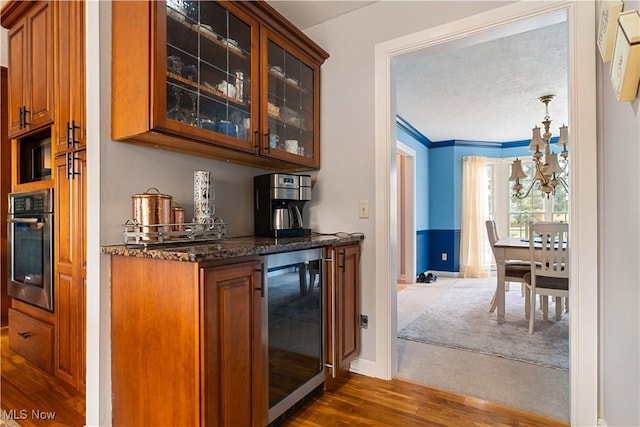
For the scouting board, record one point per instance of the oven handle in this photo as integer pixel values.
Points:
(25, 220)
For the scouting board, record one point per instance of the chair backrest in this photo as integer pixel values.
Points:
(549, 249)
(492, 232)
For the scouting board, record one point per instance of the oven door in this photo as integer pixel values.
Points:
(30, 262)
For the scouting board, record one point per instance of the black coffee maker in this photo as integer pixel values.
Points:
(278, 203)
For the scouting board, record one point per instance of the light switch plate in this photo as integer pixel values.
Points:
(363, 209)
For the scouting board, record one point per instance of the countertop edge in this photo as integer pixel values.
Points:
(231, 247)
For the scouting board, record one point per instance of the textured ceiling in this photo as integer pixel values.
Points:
(486, 90)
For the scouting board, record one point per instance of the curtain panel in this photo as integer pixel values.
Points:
(474, 259)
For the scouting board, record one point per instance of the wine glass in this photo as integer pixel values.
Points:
(174, 113)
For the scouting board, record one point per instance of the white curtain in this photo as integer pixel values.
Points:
(474, 261)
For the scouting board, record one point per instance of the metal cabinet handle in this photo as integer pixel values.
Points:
(266, 139)
(24, 117)
(21, 117)
(263, 284)
(71, 165)
(343, 254)
(334, 351)
(256, 141)
(71, 133)
(25, 335)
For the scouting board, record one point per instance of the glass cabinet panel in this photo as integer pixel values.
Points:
(209, 56)
(290, 104)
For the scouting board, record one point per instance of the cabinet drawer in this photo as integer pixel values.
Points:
(31, 339)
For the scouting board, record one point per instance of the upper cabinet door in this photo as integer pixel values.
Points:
(206, 62)
(290, 100)
(31, 70)
(70, 79)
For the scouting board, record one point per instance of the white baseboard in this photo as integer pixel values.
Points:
(445, 273)
(602, 422)
(363, 367)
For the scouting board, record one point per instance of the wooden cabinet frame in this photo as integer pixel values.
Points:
(31, 81)
(139, 70)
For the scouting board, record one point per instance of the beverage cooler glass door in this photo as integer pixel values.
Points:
(295, 290)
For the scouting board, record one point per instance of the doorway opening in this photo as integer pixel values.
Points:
(582, 116)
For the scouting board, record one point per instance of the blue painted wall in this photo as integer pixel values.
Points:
(439, 192)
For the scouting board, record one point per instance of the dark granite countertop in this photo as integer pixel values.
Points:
(198, 251)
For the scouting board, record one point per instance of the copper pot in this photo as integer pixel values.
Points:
(151, 211)
(177, 217)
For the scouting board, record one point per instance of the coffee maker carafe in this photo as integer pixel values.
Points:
(278, 204)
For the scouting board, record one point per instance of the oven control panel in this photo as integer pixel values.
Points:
(35, 202)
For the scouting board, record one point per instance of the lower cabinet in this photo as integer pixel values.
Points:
(187, 338)
(343, 302)
(32, 339)
(186, 342)
(70, 268)
(232, 344)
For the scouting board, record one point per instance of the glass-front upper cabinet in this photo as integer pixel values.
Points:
(209, 72)
(229, 80)
(290, 98)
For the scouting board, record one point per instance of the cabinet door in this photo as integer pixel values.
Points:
(232, 345)
(290, 98)
(40, 73)
(205, 70)
(70, 79)
(17, 76)
(30, 44)
(70, 178)
(344, 313)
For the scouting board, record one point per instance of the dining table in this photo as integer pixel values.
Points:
(507, 249)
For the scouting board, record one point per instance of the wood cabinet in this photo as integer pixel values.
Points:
(70, 77)
(343, 302)
(31, 80)
(227, 80)
(70, 267)
(186, 342)
(5, 188)
(32, 339)
(69, 136)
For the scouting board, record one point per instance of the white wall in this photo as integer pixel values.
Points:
(347, 124)
(619, 153)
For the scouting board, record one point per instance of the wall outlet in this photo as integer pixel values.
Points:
(364, 321)
(363, 209)
(444, 256)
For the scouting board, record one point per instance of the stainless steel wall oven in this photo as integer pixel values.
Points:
(30, 241)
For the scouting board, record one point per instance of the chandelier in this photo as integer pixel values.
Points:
(547, 167)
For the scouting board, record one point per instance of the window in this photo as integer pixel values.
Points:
(536, 207)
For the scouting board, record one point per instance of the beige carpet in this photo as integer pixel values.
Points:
(495, 379)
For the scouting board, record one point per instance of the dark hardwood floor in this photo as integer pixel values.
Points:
(365, 401)
(362, 401)
(30, 393)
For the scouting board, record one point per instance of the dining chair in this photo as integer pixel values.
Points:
(514, 270)
(549, 271)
